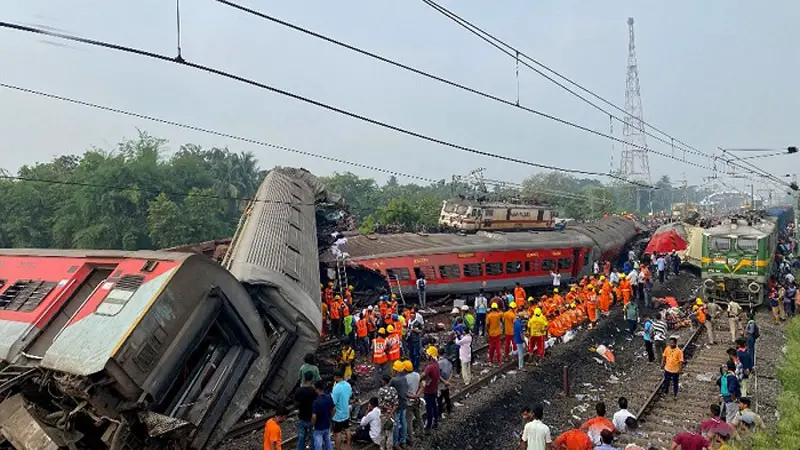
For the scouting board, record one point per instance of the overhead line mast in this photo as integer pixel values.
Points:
(634, 163)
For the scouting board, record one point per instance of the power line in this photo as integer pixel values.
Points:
(454, 84)
(224, 74)
(515, 53)
(216, 133)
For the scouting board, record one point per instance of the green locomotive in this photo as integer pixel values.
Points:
(738, 259)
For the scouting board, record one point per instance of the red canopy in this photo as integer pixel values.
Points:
(666, 240)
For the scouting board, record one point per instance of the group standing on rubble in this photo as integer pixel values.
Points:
(417, 369)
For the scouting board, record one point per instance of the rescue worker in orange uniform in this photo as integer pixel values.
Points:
(393, 345)
(393, 305)
(572, 295)
(336, 316)
(556, 327)
(604, 300)
(379, 357)
(329, 292)
(519, 294)
(383, 307)
(625, 288)
(362, 330)
(494, 330)
(558, 300)
(591, 305)
(508, 329)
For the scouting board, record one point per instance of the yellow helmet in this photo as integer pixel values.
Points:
(572, 305)
(321, 285)
(350, 288)
(338, 297)
(602, 277)
(394, 296)
(494, 305)
(408, 366)
(390, 329)
(555, 290)
(573, 289)
(537, 312)
(531, 299)
(398, 366)
(382, 331)
(590, 286)
(330, 283)
(432, 352)
(698, 302)
(512, 305)
(622, 275)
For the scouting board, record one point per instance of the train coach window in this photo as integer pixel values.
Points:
(494, 268)
(586, 259)
(473, 270)
(564, 264)
(398, 273)
(748, 245)
(428, 271)
(512, 267)
(532, 266)
(548, 265)
(720, 244)
(450, 271)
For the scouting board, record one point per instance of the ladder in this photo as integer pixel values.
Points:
(394, 282)
(12, 375)
(341, 273)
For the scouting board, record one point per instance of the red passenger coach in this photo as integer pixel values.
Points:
(121, 349)
(457, 263)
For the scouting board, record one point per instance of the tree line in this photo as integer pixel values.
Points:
(148, 198)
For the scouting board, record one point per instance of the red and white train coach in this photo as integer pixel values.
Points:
(457, 263)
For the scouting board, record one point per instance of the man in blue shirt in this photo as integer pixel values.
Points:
(341, 418)
(730, 391)
(648, 338)
(747, 363)
(321, 411)
(519, 340)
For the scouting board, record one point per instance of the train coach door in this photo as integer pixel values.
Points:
(576, 262)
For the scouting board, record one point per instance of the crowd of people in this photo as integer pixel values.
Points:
(418, 368)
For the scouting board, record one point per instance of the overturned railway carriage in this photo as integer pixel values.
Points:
(274, 254)
(738, 258)
(124, 350)
(457, 263)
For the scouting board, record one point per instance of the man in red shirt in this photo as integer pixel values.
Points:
(595, 426)
(573, 439)
(689, 441)
(429, 388)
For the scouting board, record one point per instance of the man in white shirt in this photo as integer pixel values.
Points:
(556, 279)
(370, 429)
(535, 435)
(622, 415)
(614, 277)
(596, 268)
(734, 312)
(633, 277)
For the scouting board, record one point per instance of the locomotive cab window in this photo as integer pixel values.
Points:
(747, 245)
(399, 273)
(548, 264)
(494, 268)
(511, 267)
(450, 271)
(564, 264)
(719, 244)
(473, 270)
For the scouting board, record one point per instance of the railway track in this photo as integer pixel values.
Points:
(661, 417)
(257, 423)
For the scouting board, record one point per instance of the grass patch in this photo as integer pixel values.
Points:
(788, 432)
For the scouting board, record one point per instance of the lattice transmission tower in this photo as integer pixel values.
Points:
(633, 163)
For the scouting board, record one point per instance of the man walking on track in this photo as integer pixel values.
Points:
(672, 363)
(734, 313)
(494, 329)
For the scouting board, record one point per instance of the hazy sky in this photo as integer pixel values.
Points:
(713, 73)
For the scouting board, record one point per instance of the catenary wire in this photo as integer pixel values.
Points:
(246, 140)
(244, 80)
(454, 84)
(516, 53)
(217, 133)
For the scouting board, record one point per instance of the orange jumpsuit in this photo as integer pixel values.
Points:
(591, 306)
(625, 290)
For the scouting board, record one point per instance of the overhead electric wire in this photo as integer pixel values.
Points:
(241, 79)
(515, 53)
(454, 84)
(216, 133)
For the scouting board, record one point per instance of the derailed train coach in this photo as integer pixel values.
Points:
(124, 350)
(275, 255)
(156, 349)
